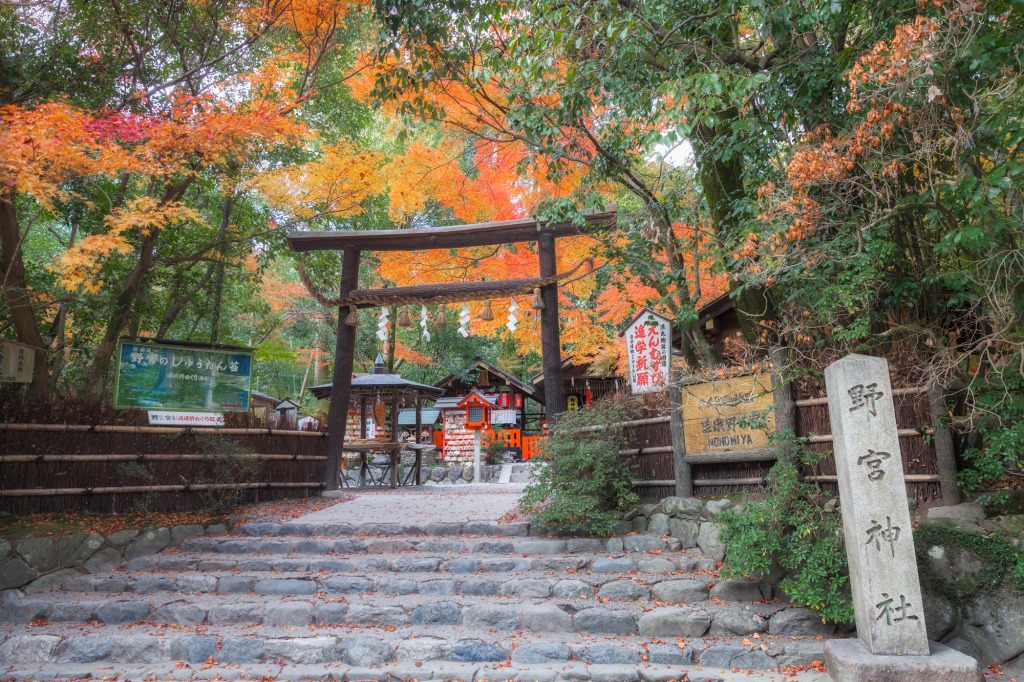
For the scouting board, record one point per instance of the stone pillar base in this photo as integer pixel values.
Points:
(848, 660)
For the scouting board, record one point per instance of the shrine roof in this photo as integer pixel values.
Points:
(455, 236)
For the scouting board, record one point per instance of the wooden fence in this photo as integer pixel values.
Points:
(120, 468)
(715, 475)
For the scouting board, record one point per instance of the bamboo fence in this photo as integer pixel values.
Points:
(125, 467)
(725, 473)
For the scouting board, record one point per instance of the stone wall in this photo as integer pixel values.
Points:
(986, 620)
(37, 564)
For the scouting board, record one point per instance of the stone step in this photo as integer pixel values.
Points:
(605, 564)
(459, 672)
(319, 545)
(505, 613)
(376, 647)
(668, 586)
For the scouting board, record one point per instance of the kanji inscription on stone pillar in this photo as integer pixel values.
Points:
(873, 498)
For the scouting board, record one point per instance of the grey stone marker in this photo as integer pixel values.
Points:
(887, 598)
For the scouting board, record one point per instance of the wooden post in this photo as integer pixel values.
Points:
(551, 347)
(683, 474)
(341, 385)
(943, 440)
(362, 417)
(418, 440)
(782, 394)
(394, 439)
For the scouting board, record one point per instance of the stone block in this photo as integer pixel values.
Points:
(545, 618)
(236, 584)
(970, 512)
(284, 586)
(488, 616)
(658, 524)
(681, 591)
(800, 623)
(505, 565)
(736, 589)
(541, 652)
(141, 649)
(196, 649)
(624, 590)
(180, 613)
(478, 651)
(51, 581)
(72, 611)
(148, 542)
(436, 613)
(366, 651)
(849, 661)
(685, 530)
(317, 546)
(716, 507)
(607, 654)
(527, 587)
(655, 564)
(643, 543)
(577, 545)
(85, 648)
(571, 589)
(302, 650)
(494, 547)
(438, 587)
(423, 649)
(29, 649)
(600, 619)
(613, 565)
(615, 545)
(14, 573)
(344, 584)
(196, 582)
(241, 650)
(330, 613)
(73, 550)
(480, 587)
(186, 532)
(39, 553)
(415, 564)
(708, 539)
(738, 620)
(244, 614)
(379, 616)
(682, 507)
(674, 622)
(397, 586)
(670, 654)
(116, 612)
(289, 613)
(726, 657)
(540, 547)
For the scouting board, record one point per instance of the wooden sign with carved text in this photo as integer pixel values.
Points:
(715, 414)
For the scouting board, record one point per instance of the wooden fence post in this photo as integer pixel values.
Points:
(782, 393)
(943, 440)
(683, 474)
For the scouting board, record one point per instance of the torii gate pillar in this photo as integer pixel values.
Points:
(550, 346)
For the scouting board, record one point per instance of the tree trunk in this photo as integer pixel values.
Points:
(12, 279)
(218, 287)
(97, 381)
(722, 180)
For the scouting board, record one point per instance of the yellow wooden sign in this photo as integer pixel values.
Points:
(715, 414)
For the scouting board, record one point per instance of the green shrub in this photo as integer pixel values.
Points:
(1000, 408)
(223, 463)
(584, 479)
(790, 534)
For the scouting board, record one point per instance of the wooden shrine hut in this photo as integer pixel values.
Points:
(351, 297)
(380, 395)
(720, 322)
(517, 415)
(585, 382)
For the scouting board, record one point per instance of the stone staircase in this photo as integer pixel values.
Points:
(475, 601)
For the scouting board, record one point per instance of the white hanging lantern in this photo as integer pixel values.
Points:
(423, 323)
(382, 324)
(513, 319)
(464, 321)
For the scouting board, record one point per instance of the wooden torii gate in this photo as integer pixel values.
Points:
(353, 243)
